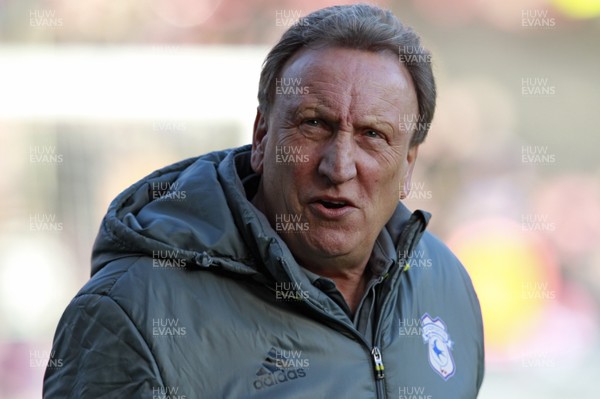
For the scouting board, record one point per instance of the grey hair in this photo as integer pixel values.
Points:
(361, 27)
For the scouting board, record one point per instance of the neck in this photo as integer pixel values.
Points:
(351, 283)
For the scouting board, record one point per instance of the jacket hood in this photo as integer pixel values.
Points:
(197, 210)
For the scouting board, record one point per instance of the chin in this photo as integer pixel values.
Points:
(332, 244)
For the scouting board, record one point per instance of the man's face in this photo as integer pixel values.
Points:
(332, 153)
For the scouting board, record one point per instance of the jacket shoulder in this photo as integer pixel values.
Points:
(432, 253)
(103, 282)
(436, 265)
(100, 353)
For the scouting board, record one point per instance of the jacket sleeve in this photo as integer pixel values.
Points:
(98, 352)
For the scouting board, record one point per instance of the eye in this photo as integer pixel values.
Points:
(374, 134)
(312, 122)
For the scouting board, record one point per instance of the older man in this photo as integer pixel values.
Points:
(288, 269)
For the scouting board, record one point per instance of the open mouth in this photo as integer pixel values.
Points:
(332, 204)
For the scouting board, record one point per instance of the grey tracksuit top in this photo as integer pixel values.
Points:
(194, 295)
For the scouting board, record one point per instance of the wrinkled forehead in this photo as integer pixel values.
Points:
(335, 76)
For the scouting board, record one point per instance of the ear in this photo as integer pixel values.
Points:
(259, 142)
(411, 158)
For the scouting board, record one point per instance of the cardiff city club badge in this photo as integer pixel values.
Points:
(440, 346)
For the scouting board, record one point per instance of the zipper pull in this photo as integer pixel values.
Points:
(379, 374)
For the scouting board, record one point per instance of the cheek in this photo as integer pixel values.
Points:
(390, 169)
(384, 183)
(289, 170)
(286, 148)
(398, 171)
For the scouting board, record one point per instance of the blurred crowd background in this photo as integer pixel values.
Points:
(97, 94)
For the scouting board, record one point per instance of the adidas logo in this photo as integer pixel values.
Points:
(279, 367)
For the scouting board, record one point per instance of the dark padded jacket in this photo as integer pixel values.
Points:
(194, 295)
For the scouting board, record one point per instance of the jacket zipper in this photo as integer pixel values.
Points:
(379, 371)
(375, 352)
(378, 366)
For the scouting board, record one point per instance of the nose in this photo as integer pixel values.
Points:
(338, 163)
